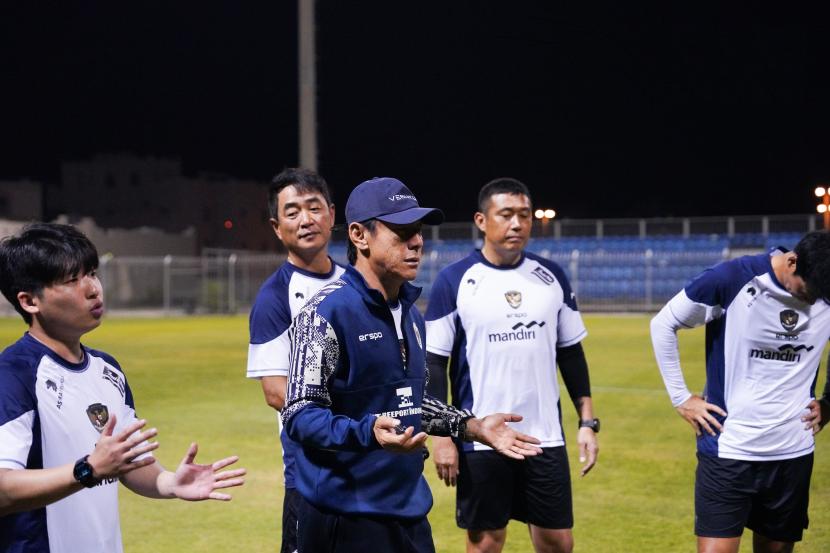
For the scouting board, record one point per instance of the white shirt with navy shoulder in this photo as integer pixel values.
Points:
(763, 349)
(501, 325)
(279, 300)
(51, 413)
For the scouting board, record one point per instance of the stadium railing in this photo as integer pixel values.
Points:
(608, 273)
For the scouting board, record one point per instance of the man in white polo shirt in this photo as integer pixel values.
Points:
(767, 321)
(504, 318)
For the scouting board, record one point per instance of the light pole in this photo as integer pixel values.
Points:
(544, 215)
(824, 206)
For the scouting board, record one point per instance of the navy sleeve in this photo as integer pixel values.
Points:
(307, 415)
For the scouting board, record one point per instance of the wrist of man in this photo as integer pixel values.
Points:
(84, 473)
(468, 429)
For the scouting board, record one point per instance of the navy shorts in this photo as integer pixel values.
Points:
(290, 507)
(768, 497)
(321, 531)
(492, 489)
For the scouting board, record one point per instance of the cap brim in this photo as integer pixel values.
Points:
(427, 215)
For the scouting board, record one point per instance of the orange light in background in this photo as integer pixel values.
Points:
(550, 214)
(823, 194)
(539, 213)
(228, 224)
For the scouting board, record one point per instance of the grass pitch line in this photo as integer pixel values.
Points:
(623, 389)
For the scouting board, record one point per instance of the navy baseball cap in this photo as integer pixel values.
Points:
(390, 201)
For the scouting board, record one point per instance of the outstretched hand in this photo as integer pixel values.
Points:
(698, 413)
(391, 437)
(114, 455)
(493, 431)
(194, 482)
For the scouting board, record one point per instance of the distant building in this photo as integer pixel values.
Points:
(126, 191)
(21, 200)
(141, 241)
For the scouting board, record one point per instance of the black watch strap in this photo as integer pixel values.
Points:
(83, 473)
(593, 424)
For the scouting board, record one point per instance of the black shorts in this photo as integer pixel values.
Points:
(290, 509)
(768, 497)
(492, 489)
(320, 531)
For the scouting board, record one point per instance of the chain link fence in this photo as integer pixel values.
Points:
(632, 271)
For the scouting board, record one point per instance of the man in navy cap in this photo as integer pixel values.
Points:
(356, 398)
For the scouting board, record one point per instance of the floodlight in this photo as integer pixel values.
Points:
(820, 191)
(550, 214)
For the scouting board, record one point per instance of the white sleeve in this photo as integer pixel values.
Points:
(125, 419)
(270, 358)
(16, 441)
(570, 329)
(441, 335)
(679, 312)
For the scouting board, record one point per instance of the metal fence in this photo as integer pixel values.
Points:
(603, 281)
(636, 271)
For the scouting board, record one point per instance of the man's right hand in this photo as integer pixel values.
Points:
(387, 436)
(445, 455)
(114, 455)
(698, 413)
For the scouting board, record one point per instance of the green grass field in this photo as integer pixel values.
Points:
(188, 379)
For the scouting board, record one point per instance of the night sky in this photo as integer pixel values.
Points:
(602, 110)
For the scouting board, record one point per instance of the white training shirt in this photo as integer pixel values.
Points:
(501, 327)
(51, 414)
(279, 300)
(763, 349)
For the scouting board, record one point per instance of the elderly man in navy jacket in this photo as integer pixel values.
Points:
(356, 391)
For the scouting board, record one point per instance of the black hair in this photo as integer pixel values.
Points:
(42, 254)
(501, 185)
(813, 263)
(351, 249)
(304, 180)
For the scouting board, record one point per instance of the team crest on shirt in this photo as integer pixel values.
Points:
(789, 319)
(514, 298)
(98, 415)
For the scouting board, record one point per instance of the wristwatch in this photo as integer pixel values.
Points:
(593, 424)
(83, 473)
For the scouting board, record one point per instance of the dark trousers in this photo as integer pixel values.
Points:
(290, 506)
(325, 532)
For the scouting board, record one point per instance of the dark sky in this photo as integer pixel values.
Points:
(613, 110)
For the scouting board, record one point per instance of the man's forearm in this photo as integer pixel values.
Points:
(27, 489)
(584, 408)
(273, 387)
(317, 426)
(440, 419)
(664, 340)
(151, 481)
(437, 370)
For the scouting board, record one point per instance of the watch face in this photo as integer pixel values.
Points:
(592, 424)
(83, 473)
